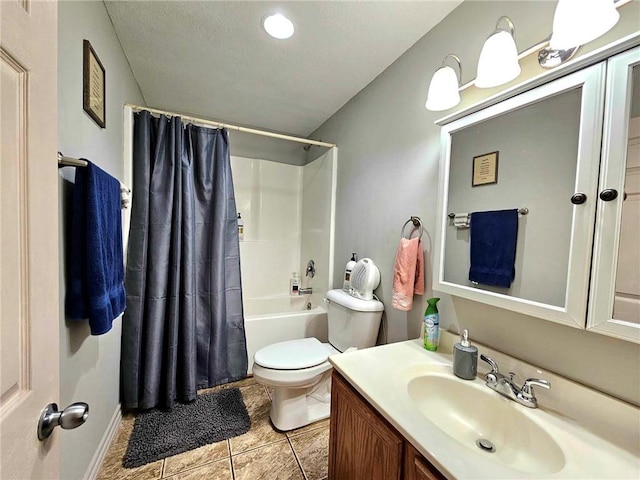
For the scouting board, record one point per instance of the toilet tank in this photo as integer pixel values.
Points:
(352, 322)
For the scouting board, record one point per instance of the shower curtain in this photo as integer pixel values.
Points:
(183, 328)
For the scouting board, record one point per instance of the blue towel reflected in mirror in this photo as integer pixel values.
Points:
(493, 247)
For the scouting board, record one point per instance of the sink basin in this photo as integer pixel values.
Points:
(483, 421)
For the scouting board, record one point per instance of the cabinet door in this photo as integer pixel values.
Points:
(614, 304)
(416, 467)
(548, 141)
(362, 445)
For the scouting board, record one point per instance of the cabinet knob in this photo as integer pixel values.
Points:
(608, 194)
(578, 198)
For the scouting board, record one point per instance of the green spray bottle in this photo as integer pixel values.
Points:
(431, 325)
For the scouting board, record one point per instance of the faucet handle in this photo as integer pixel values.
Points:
(529, 383)
(494, 374)
(491, 362)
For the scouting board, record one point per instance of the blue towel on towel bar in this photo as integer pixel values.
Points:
(95, 287)
(493, 247)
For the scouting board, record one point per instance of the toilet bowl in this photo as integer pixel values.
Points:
(299, 374)
(298, 371)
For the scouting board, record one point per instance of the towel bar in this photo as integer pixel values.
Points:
(76, 162)
(70, 162)
(521, 211)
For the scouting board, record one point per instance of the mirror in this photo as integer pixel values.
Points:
(537, 147)
(626, 305)
(614, 302)
(531, 153)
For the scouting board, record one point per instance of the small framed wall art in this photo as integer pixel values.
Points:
(93, 85)
(485, 169)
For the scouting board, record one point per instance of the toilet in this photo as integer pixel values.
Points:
(299, 371)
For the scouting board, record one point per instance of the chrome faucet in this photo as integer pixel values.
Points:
(505, 385)
(311, 269)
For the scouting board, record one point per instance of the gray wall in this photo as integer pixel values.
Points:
(388, 170)
(89, 366)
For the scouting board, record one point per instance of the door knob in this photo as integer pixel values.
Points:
(71, 417)
(578, 198)
(608, 194)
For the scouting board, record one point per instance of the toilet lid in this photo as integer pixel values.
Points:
(293, 354)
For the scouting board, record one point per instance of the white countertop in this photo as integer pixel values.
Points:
(598, 435)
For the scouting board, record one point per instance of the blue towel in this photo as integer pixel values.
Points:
(95, 287)
(493, 247)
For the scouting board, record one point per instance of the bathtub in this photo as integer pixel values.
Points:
(277, 319)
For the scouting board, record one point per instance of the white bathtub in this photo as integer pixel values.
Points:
(277, 319)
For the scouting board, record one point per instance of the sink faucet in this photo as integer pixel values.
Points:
(505, 385)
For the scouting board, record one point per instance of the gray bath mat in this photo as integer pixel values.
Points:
(211, 418)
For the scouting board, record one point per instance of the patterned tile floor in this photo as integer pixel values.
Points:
(263, 453)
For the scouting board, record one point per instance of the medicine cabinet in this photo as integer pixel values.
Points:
(558, 153)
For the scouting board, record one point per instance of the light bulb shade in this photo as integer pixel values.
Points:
(443, 90)
(498, 63)
(577, 22)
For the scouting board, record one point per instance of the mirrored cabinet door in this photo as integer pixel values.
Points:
(545, 144)
(614, 307)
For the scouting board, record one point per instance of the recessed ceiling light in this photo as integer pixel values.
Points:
(278, 26)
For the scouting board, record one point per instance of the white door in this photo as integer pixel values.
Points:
(28, 236)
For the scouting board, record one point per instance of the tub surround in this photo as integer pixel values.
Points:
(593, 445)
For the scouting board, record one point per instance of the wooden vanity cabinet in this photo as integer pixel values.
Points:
(364, 446)
(416, 467)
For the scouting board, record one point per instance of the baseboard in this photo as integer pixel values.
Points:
(101, 452)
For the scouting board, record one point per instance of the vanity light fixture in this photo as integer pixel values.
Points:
(278, 26)
(443, 89)
(577, 22)
(498, 63)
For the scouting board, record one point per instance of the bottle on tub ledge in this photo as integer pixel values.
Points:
(432, 325)
(346, 285)
(294, 284)
(240, 228)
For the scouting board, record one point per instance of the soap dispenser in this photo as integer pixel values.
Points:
(465, 357)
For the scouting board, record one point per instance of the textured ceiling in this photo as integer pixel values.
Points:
(213, 59)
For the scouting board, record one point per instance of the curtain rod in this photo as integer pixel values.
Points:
(234, 127)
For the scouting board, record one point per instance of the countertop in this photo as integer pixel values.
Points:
(599, 435)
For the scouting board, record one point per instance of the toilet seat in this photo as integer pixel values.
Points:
(294, 354)
(286, 355)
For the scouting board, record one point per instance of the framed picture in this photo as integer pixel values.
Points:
(485, 169)
(93, 85)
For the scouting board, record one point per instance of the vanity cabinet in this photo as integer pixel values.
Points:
(416, 467)
(364, 446)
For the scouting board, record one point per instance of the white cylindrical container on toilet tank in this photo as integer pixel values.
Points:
(353, 322)
(365, 278)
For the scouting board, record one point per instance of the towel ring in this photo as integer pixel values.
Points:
(417, 223)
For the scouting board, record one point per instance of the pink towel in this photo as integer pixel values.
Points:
(408, 273)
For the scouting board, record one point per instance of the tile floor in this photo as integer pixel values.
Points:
(263, 453)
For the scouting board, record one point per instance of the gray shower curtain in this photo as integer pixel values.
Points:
(183, 328)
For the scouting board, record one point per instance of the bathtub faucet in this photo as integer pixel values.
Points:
(305, 291)
(311, 269)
